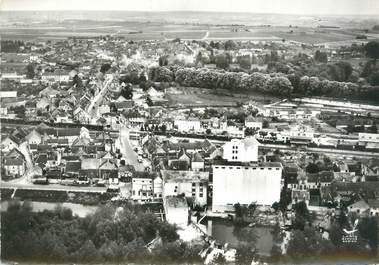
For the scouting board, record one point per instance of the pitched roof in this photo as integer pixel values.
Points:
(176, 202)
(321, 177)
(73, 166)
(90, 163)
(184, 176)
(81, 141)
(196, 157)
(14, 153)
(108, 165)
(360, 204)
(13, 162)
(178, 165)
(68, 132)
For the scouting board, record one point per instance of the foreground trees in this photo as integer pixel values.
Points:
(110, 234)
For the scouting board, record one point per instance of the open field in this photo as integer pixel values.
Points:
(309, 37)
(183, 25)
(207, 97)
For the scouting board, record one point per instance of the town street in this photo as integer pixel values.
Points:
(127, 151)
(93, 107)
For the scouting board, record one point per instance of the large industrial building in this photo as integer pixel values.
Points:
(242, 179)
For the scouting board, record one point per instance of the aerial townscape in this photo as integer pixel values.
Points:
(186, 138)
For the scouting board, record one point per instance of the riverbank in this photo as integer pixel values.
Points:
(55, 196)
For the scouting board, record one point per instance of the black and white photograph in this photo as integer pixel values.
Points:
(189, 132)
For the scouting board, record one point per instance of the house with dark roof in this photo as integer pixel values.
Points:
(73, 168)
(124, 105)
(197, 162)
(108, 170)
(14, 154)
(317, 180)
(14, 167)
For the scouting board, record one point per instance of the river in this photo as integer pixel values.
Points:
(222, 231)
(77, 209)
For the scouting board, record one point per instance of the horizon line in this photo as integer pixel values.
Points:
(189, 11)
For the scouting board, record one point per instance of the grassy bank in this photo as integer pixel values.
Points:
(86, 198)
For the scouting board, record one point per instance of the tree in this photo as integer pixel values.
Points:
(105, 67)
(321, 57)
(374, 79)
(127, 92)
(340, 71)
(222, 60)
(302, 215)
(372, 49)
(30, 72)
(208, 131)
(77, 81)
(88, 252)
(265, 124)
(230, 45)
(19, 111)
(368, 229)
(149, 102)
(245, 253)
(249, 131)
(163, 61)
(312, 168)
(308, 244)
(163, 128)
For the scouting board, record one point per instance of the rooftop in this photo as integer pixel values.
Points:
(223, 162)
(176, 202)
(184, 176)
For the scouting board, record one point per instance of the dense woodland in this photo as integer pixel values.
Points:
(111, 235)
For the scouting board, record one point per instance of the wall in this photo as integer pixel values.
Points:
(244, 185)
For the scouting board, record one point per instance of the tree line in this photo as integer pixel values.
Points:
(279, 84)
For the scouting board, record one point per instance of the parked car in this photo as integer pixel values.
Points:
(139, 159)
(68, 181)
(82, 181)
(101, 183)
(113, 189)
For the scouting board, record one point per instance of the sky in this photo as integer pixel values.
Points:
(322, 7)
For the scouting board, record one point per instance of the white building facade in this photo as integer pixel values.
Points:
(245, 150)
(260, 184)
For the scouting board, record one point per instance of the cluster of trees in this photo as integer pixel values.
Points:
(9, 46)
(111, 234)
(308, 243)
(275, 83)
(342, 71)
